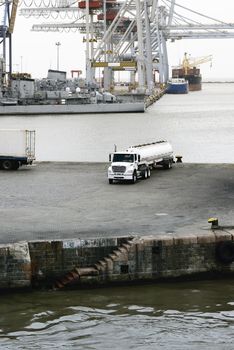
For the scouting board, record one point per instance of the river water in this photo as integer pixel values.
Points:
(191, 315)
(183, 315)
(200, 126)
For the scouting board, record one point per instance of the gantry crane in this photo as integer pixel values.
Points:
(8, 12)
(12, 17)
(147, 24)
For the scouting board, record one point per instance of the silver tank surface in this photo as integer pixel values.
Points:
(154, 150)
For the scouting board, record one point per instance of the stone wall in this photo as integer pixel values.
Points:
(15, 266)
(65, 263)
(53, 259)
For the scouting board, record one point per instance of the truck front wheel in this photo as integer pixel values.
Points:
(110, 181)
(134, 178)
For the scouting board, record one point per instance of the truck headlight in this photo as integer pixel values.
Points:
(129, 171)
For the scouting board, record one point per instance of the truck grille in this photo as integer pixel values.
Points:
(119, 169)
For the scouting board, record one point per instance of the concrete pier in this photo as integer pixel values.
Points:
(62, 223)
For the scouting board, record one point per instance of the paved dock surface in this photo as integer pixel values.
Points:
(70, 200)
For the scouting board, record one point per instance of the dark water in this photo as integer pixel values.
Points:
(183, 315)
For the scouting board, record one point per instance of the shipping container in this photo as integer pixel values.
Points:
(17, 147)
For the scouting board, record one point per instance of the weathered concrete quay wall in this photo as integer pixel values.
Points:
(65, 263)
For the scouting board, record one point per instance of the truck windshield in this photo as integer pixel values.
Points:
(123, 158)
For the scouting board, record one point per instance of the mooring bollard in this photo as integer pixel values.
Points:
(178, 159)
(214, 222)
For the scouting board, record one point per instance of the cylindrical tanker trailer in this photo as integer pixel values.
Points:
(137, 161)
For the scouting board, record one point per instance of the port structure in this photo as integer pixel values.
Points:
(7, 23)
(129, 35)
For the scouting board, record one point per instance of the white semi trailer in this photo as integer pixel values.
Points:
(137, 161)
(17, 147)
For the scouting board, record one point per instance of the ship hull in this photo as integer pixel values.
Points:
(194, 82)
(177, 88)
(73, 109)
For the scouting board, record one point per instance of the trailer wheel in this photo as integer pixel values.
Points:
(148, 173)
(167, 164)
(7, 164)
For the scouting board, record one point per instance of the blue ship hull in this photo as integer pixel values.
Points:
(177, 88)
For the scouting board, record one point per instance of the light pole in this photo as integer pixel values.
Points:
(57, 44)
(21, 64)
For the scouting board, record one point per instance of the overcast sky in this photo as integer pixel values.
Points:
(36, 52)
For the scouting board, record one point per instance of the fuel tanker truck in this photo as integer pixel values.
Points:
(137, 161)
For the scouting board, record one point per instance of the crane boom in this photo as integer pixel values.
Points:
(13, 16)
(190, 62)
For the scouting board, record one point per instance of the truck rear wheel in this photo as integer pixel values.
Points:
(145, 174)
(16, 165)
(7, 165)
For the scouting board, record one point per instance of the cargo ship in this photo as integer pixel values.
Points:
(189, 71)
(192, 75)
